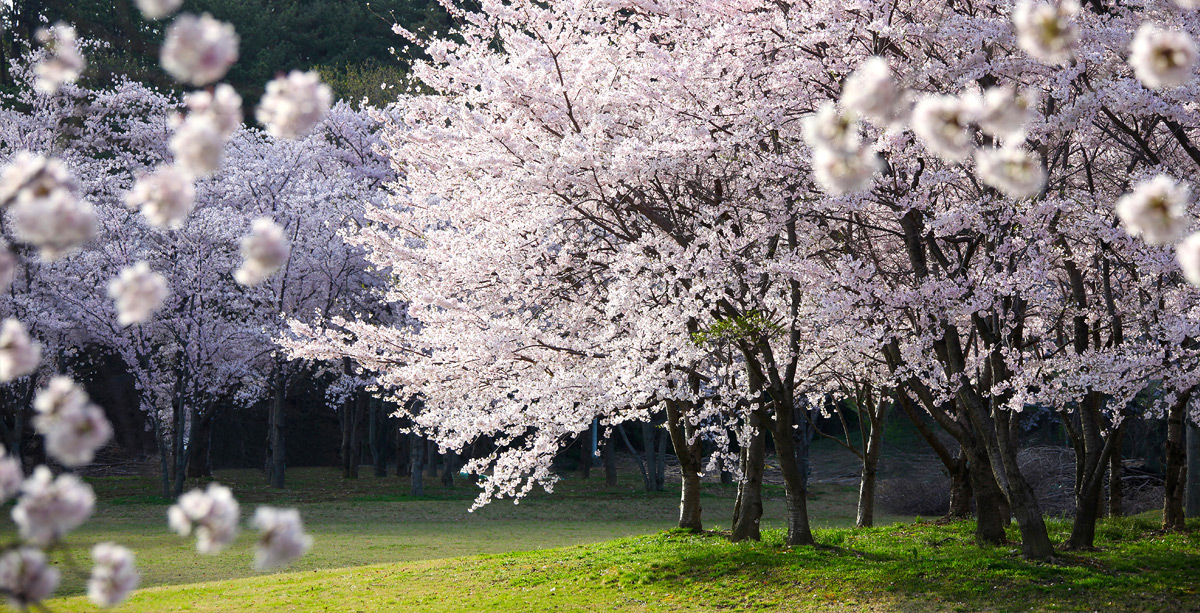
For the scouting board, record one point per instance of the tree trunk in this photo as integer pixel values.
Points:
(609, 455)
(1173, 517)
(278, 456)
(417, 447)
(795, 493)
(647, 481)
(960, 490)
(660, 460)
(164, 460)
(449, 467)
(688, 449)
(403, 457)
(586, 440)
(866, 490)
(1092, 455)
(748, 508)
(200, 462)
(1192, 491)
(991, 510)
(379, 436)
(1116, 489)
(353, 443)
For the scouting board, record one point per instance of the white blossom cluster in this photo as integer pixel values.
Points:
(63, 62)
(165, 196)
(44, 203)
(1047, 30)
(158, 9)
(19, 354)
(211, 514)
(50, 507)
(11, 475)
(26, 577)
(264, 251)
(73, 427)
(113, 575)
(842, 164)
(282, 539)
(293, 105)
(1162, 58)
(138, 293)
(1156, 210)
(199, 50)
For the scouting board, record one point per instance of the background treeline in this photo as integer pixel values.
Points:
(350, 42)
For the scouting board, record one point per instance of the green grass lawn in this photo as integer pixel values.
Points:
(587, 547)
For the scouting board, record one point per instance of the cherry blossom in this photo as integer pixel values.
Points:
(26, 577)
(165, 196)
(50, 507)
(138, 293)
(198, 146)
(222, 106)
(29, 177)
(282, 540)
(1156, 210)
(19, 354)
(264, 251)
(1047, 30)
(1161, 57)
(1016, 172)
(199, 50)
(942, 123)
(845, 172)
(294, 104)
(158, 9)
(1004, 111)
(11, 475)
(73, 427)
(63, 62)
(211, 514)
(830, 128)
(873, 92)
(1187, 252)
(114, 575)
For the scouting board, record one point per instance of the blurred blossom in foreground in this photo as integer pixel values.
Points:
(1155, 210)
(165, 197)
(199, 50)
(26, 578)
(264, 251)
(283, 538)
(294, 105)
(50, 507)
(63, 62)
(138, 293)
(211, 514)
(113, 575)
(19, 354)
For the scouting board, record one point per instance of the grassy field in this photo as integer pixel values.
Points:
(587, 547)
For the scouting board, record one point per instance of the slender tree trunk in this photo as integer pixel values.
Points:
(866, 490)
(585, 454)
(164, 459)
(1116, 484)
(417, 446)
(748, 508)
(688, 448)
(795, 493)
(1092, 455)
(609, 455)
(379, 437)
(449, 467)
(354, 455)
(960, 490)
(403, 457)
(278, 422)
(991, 510)
(1192, 505)
(1173, 516)
(660, 460)
(200, 463)
(646, 477)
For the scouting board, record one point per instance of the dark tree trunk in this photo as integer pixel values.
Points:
(799, 532)
(960, 490)
(403, 457)
(649, 444)
(647, 481)
(1192, 493)
(585, 452)
(748, 508)
(660, 460)
(688, 448)
(278, 457)
(609, 455)
(164, 459)
(1173, 516)
(352, 437)
(200, 463)
(417, 447)
(1116, 489)
(991, 510)
(379, 436)
(449, 467)
(866, 490)
(1092, 454)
